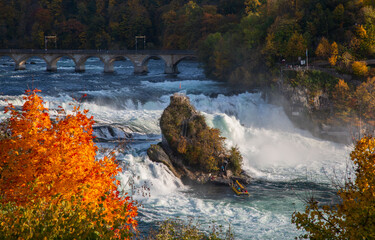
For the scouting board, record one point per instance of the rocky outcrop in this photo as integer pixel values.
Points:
(310, 110)
(157, 154)
(182, 129)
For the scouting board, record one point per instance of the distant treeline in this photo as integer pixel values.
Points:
(241, 41)
(113, 24)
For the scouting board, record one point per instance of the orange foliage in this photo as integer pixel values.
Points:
(323, 48)
(360, 68)
(54, 160)
(334, 52)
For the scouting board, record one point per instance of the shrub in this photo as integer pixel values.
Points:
(179, 229)
(235, 160)
(360, 69)
(66, 219)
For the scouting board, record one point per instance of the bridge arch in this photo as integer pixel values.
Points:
(80, 61)
(147, 59)
(153, 57)
(20, 60)
(171, 62)
(7, 60)
(66, 56)
(186, 58)
(52, 60)
(110, 61)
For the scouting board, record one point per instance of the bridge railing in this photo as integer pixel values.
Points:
(99, 51)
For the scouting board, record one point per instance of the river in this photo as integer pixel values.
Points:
(287, 164)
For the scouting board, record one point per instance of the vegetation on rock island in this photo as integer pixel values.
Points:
(52, 184)
(199, 145)
(354, 216)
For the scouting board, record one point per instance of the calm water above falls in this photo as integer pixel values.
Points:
(286, 163)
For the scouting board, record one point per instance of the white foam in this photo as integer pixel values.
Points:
(143, 172)
(281, 154)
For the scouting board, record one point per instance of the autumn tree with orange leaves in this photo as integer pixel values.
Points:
(47, 162)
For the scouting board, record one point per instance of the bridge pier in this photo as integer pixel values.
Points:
(80, 67)
(108, 64)
(170, 69)
(20, 66)
(140, 69)
(51, 62)
(139, 63)
(108, 67)
(52, 67)
(171, 62)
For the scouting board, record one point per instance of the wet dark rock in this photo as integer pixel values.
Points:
(107, 133)
(175, 161)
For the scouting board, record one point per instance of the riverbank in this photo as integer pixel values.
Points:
(327, 106)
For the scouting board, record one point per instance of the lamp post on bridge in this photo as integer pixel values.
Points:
(46, 38)
(136, 42)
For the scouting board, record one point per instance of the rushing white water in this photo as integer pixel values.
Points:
(284, 161)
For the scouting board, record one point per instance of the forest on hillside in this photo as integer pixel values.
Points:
(113, 24)
(272, 32)
(241, 41)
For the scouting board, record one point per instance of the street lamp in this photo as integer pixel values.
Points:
(136, 42)
(46, 41)
(307, 59)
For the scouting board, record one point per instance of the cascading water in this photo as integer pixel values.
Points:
(286, 163)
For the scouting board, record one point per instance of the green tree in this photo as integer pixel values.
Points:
(206, 51)
(339, 15)
(283, 29)
(235, 160)
(296, 46)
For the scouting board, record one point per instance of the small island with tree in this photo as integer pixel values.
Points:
(192, 150)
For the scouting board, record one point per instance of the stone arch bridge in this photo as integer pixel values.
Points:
(139, 58)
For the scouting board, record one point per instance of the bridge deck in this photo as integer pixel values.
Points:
(139, 58)
(99, 51)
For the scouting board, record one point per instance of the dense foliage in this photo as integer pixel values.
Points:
(66, 219)
(311, 80)
(48, 168)
(278, 32)
(199, 145)
(354, 216)
(355, 104)
(113, 24)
